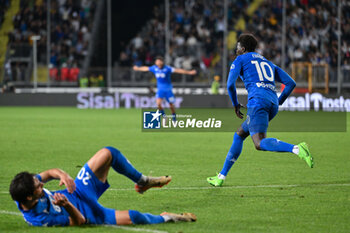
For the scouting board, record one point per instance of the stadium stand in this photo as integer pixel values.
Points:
(196, 38)
(193, 37)
(70, 33)
(196, 32)
(311, 37)
(311, 27)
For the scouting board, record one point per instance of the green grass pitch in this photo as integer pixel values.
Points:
(264, 192)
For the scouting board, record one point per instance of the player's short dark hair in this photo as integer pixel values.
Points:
(22, 186)
(248, 41)
(159, 58)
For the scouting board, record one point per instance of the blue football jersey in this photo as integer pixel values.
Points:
(45, 213)
(163, 76)
(258, 75)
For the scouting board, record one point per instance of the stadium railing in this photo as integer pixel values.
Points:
(311, 77)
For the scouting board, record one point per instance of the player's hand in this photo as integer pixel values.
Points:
(135, 68)
(238, 111)
(192, 72)
(68, 182)
(60, 199)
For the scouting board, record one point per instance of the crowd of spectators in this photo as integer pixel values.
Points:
(311, 27)
(71, 22)
(196, 32)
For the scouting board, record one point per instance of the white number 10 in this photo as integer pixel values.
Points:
(258, 69)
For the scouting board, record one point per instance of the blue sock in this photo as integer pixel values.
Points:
(144, 218)
(174, 116)
(233, 153)
(272, 144)
(121, 165)
(162, 112)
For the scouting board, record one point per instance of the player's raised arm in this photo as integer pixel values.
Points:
(282, 77)
(141, 68)
(182, 71)
(56, 173)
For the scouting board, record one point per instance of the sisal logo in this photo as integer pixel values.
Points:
(118, 100)
(317, 102)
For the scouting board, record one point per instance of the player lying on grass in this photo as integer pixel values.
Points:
(164, 86)
(78, 203)
(259, 76)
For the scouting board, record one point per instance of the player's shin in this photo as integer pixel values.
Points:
(273, 144)
(232, 155)
(145, 218)
(121, 165)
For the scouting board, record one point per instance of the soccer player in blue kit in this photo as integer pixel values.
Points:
(78, 203)
(164, 86)
(259, 76)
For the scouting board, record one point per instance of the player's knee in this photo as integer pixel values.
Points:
(114, 154)
(242, 134)
(257, 145)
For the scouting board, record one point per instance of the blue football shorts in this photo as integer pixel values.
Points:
(88, 190)
(259, 113)
(166, 94)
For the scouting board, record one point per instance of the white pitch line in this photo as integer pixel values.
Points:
(229, 187)
(135, 229)
(10, 213)
(239, 187)
(111, 226)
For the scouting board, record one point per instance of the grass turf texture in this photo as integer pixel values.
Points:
(37, 139)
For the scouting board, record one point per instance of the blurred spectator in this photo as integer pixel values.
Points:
(64, 72)
(8, 71)
(215, 85)
(53, 72)
(74, 74)
(101, 81)
(4, 5)
(84, 82)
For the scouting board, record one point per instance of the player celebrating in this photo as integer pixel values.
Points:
(164, 86)
(78, 204)
(259, 76)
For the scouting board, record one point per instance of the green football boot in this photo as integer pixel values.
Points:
(215, 181)
(304, 154)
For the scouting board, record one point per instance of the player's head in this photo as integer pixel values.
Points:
(159, 61)
(25, 187)
(246, 43)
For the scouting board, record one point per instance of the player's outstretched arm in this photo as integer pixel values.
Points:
(141, 68)
(182, 71)
(282, 77)
(61, 175)
(75, 217)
